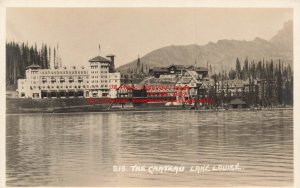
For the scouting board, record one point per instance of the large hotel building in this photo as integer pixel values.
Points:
(95, 80)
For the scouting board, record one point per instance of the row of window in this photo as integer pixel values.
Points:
(52, 81)
(67, 87)
(111, 76)
(64, 72)
(63, 81)
(96, 72)
(104, 81)
(52, 87)
(101, 67)
(96, 86)
(96, 63)
(34, 72)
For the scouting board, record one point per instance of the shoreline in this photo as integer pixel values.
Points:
(82, 105)
(149, 110)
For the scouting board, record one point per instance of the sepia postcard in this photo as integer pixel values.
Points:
(149, 93)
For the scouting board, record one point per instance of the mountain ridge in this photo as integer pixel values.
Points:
(223, 53)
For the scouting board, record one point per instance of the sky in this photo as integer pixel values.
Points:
(132, 32)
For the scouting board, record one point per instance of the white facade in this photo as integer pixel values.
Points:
(94, 80)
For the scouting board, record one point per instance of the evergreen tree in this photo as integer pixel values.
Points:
(19, 56)
(245, 73)
(279, 85)
(238, 68)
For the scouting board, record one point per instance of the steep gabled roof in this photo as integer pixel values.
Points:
(194, 75)
(187, 80)
(100, 59)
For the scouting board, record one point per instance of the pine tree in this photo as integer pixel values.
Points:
(279, 85)
(238, 68)
(19, 56)
(245, 73)
(49, 60)
(54, 58)
(138, 65)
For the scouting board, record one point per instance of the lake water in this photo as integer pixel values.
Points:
(98, 149)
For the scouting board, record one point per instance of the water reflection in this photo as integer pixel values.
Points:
(81, 149)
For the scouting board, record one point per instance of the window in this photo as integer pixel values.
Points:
(71, 80)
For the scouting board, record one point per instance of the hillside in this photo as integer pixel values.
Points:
(223, 52)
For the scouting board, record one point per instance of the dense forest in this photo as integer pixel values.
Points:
(21, 55)
(269, 83)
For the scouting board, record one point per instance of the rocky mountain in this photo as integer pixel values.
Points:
(284, 38)
(222, 53)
